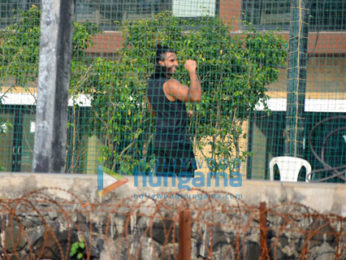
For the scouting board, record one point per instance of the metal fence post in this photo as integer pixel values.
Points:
(263, 232)
(185, 230)
(297, 61)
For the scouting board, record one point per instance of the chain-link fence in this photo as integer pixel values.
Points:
(272, 75)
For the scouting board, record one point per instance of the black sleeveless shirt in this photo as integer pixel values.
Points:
(171, 116)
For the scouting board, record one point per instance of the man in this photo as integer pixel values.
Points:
(166, 98)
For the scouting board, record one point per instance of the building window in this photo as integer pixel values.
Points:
(106, 13)
(193, 8)
(326, 15)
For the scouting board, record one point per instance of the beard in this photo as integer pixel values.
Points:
(161, 71)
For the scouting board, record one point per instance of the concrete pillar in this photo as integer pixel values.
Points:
(53, 84)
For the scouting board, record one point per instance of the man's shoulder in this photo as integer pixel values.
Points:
(172, 82)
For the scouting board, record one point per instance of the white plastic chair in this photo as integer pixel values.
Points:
(289, 168)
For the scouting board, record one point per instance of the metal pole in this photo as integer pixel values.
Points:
(264, 254)
(297, 59)
(184, 240)
(53, 84)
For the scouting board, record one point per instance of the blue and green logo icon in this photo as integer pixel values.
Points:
(119, 180)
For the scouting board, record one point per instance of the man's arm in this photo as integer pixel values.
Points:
(150, 108)
(176, 90)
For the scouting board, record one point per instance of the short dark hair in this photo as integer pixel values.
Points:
(161, 51)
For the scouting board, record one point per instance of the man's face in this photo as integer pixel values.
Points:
(170, 62)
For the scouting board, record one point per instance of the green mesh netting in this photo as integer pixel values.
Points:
(272, 75)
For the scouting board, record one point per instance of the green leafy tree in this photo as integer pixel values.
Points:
(19, 48)
(118, 113)
(234, 72)
(120, 116)
(20, 45)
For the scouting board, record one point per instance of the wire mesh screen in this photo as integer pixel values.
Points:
(186, 87)
(325, 15)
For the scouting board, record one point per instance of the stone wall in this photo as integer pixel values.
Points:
(43, 222)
